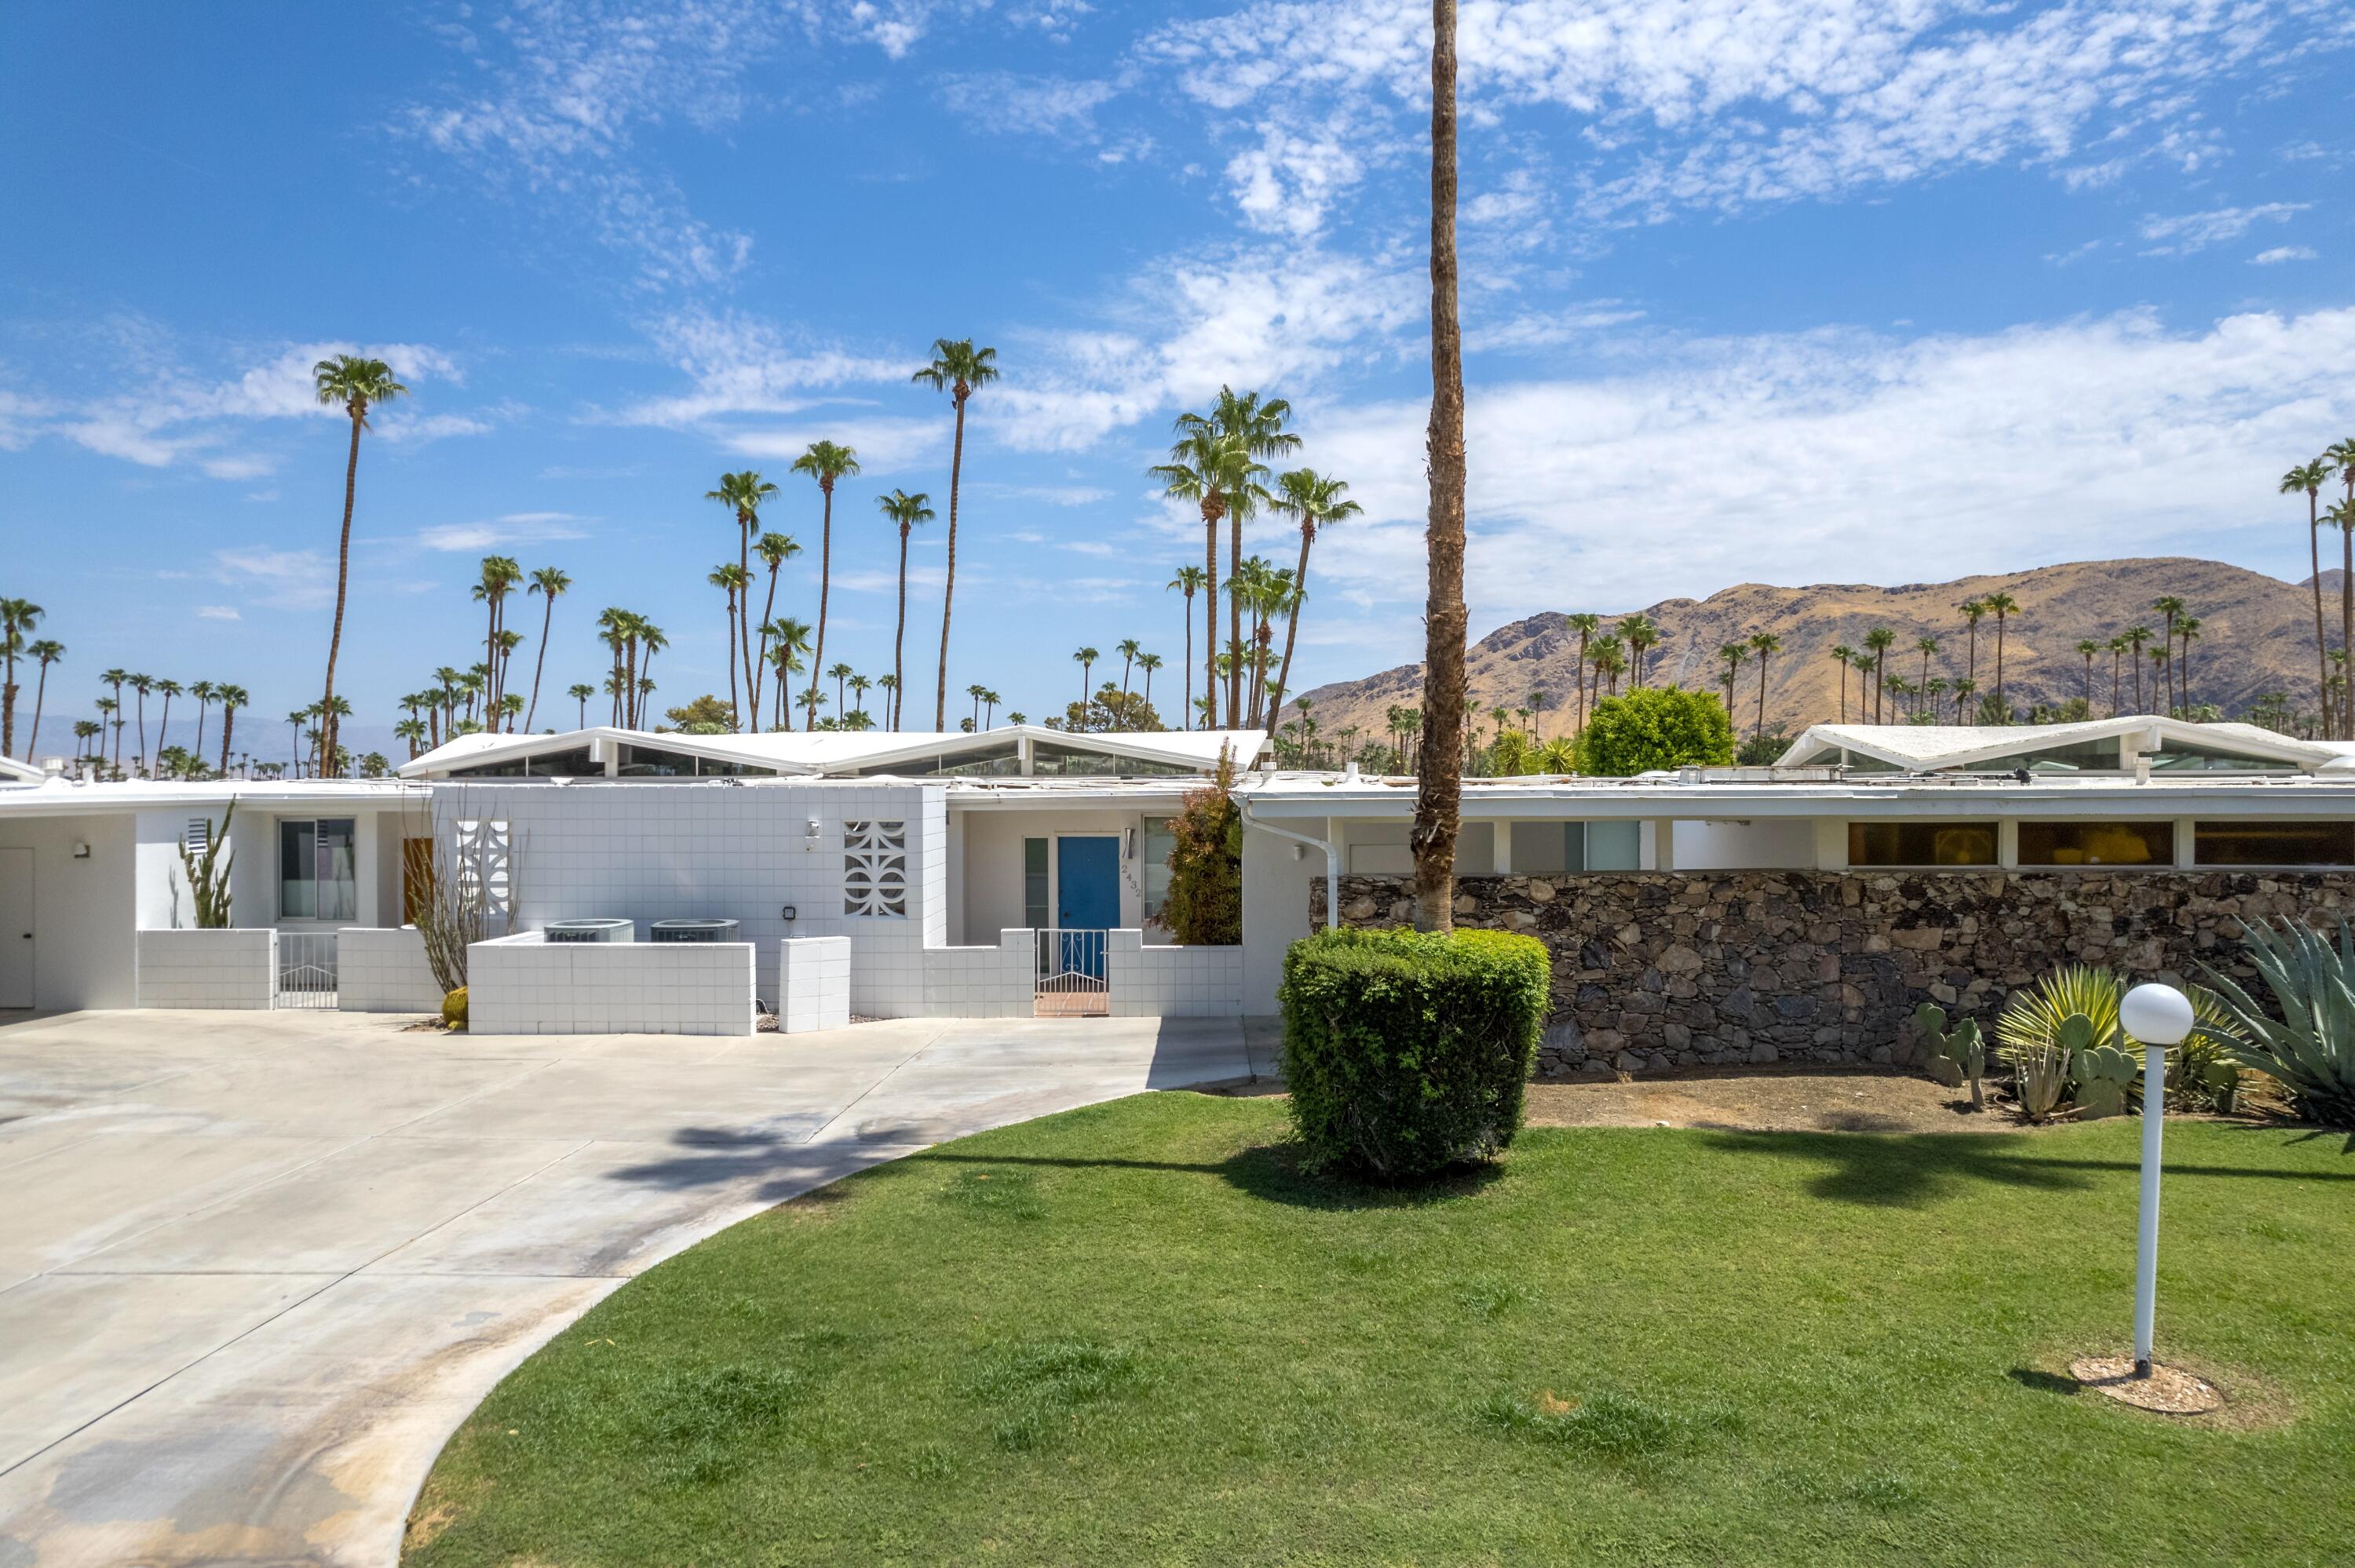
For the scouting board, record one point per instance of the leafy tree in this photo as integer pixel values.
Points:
(1656, 727)
(706, 714)
(1204, 907)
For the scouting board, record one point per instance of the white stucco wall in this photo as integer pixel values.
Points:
(813, 984)
(1762, 843)
(1275, 907)
(84, 922)
(521, 985)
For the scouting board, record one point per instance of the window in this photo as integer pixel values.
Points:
(2192, 756)
(1920, 843)
(1034, 886)
(1051, 761)
(1001, 761)
(1158, 842)
(650, 762)
(2084, 757)
(316, 880)
(1609, 846)
(2273, 844)
(199, 833)
(572, 764)
(2097, 844)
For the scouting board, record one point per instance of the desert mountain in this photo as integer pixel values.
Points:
(2256, 635)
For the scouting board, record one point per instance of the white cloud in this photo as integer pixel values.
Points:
(513, 529)
(2281, 253)
(1842, 456)
(884, 445)
(1547, 329)
(217, 612)
(1725, 104)
(738, 363)
(1028, 105)
(290, 579)
(2187, 232)
(1052, 494)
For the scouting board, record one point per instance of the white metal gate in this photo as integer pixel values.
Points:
(1073, 978)
(306, 969)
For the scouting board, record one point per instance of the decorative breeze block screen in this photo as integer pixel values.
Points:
(874, 868)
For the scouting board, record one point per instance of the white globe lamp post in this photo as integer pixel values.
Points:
(2160, 1017)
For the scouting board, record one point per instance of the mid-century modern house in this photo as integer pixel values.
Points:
(655, 880)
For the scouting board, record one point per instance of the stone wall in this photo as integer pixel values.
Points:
(1653, 972)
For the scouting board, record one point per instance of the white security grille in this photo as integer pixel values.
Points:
(306, 969)
(1073, 977)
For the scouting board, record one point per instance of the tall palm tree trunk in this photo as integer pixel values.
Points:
(948, 591)
(825, 581)
(1439, 782)
(1234, 614)
(900, 631)
(2347, 624)
(1210, 508)
(41, 695)
(743, 632)
(359, 412)
(546, 619)
(732, 704)
(2322, 651)
(761, 659)
(1292, 624)
(228, 723)
(1187, 715)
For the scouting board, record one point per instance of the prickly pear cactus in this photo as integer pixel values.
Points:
(2075, 1033)
(2103, 1075)
(2223, 1081)
(1952, 1058)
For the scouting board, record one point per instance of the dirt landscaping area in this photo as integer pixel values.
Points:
(1828, 1101)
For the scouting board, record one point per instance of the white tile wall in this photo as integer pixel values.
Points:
(812, 983)
(234, 969)
(383, 969)
(1171, 981)
(521, 985)
(980, 982)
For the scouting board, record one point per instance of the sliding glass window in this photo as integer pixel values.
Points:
(317, 879)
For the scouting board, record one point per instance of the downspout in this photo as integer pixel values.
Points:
(1332, 864)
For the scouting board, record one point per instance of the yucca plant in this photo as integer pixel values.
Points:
(2310, 1049)
(2032, 1020)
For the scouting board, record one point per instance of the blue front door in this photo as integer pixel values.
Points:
(1087, 900)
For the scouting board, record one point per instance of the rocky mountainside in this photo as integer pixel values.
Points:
(2256, 635)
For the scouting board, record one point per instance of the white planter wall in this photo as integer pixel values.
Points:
(980, 982)
(522, 985)
(231, 968)
(813, 984)
(383, 969)
(1173, 982)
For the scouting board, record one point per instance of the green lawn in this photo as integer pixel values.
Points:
(1133, 1335)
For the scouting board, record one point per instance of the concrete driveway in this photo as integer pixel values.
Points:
(255, 1268)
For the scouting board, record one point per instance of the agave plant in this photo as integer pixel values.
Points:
(2310, 1049)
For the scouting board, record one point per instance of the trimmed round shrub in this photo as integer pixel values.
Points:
(1407, 1052)
(1655, 728)
(453, 1009)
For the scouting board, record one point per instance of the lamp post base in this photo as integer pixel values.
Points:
(2147, 1386)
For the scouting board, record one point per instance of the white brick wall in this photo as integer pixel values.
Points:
(813, 984)
(383, 969)
(1173, 982)
(521, 985)
(978, 982)
(234, 969)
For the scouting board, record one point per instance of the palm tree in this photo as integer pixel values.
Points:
(1610, 660)
(2162, 676)
(1315, 502)
(2000, 605)
(734, 581)
(1639, 634)
(976, 692)
(2086, 649)
(2117, 647)
(1927, 647)
(115, 678)
(83, 729)
(743, 495)
(46, 653)
(1085, 658)
(500, 574)
(355, 383)
(862, 685)
(2136, 637)
(840, 675)
(1843, 655)
(1733, 653)
(774, 550)
(168, 689)
(231, 698)
(825, 462)
(2171, 607)
(1763, 645)
(1965, 689)
(1190, 580)
(990, 701)
(295, 721)
(2186, 630)
(964, 370)
(107, 707)
(1016, 717)
(580, 691)
(1128, 648)
(787, 641)
(2311, 478)
(549, 581)
(17, 618)
(1973, 610)
(2341, 457)
(1148, 663)
(905, 513)
(1877, 643)
(889, 687)
(1585, 625)
(140, 687)
(413, 731)
(1217, 474)
(1258, 427)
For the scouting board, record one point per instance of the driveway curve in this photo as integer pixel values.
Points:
(256, 1268)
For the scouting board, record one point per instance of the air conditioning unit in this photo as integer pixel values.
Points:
(590, 931)
(692, 931)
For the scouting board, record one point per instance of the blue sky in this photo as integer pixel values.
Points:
(1775, 292)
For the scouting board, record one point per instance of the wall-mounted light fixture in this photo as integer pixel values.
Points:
(789, 913)
(81, 851)
(811, 834)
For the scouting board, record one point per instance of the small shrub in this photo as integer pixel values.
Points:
(1204, 905)
(1656, 727)
(1408, 1052)
(453, 1009)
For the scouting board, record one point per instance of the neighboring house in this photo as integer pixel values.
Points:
(1888, 859)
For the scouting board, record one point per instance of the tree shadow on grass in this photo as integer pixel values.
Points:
(1910, 1172)
(1272, 1173)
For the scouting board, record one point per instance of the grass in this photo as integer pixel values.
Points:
(1135, 1335)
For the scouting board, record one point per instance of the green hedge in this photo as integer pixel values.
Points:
(1408, 1052)
(1655, 727)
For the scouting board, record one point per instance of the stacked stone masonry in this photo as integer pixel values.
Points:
(1654, 972)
